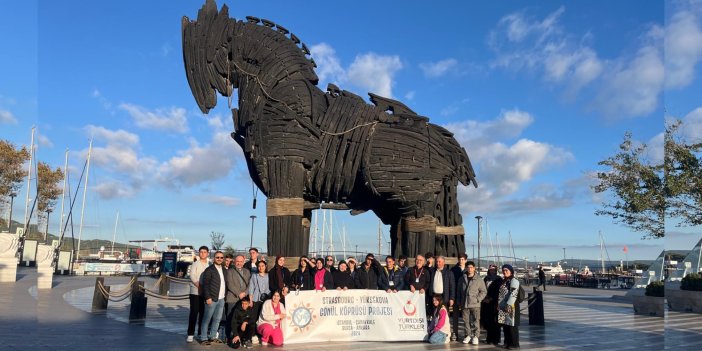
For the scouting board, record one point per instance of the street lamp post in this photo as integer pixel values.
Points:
(473, 251)
(253, 217)
(46, 229)
(478, 218)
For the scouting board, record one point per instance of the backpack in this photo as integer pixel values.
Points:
(521, 294)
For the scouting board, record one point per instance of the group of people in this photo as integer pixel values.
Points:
(251, 296)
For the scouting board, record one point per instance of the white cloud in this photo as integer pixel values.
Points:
(113, 189)
(692, 126)
(329, 68)
(116, 152)
(632, 87)
(683, 47)
(438, 69)
(43, 140)
(202, 163)
(371, 72)
(374, 72)
(504, 166)
(6, 117)
(523, 43)
(410, 95)
(169, 120)
(106, 104)
(219, 200)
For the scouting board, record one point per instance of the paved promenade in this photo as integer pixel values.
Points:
(576, 319)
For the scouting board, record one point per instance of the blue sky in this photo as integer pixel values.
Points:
(537, 93)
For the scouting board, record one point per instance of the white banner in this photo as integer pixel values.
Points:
(115, 267)
(361, 315)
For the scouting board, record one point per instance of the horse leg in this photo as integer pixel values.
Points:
(450, 234)
(285, 209)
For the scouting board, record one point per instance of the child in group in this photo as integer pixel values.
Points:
(243, 324)
(439, 327)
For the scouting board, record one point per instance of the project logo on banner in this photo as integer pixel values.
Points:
(361, 315)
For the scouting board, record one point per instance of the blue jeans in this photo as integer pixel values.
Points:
(213, 315)
(437, 338)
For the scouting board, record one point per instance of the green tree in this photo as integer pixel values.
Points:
(48, 190)
(645, 194)
(638, 200)
(12, 172)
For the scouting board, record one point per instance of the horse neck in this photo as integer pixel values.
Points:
(252, 59)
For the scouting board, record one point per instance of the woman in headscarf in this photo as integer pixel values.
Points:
(279, 277)
(322, 278)
(342, 277)
(488, 310)
(507, 307)
(302, 277)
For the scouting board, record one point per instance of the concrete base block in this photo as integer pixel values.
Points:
(8, 269)
(45, 277)
(45, 268)
(649, 306)
(684, 300)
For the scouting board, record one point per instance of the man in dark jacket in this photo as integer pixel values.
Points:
(251, 264)
(418, 277)
(488, 309)
(542, 277)
(458, 271)
(243, 324)
(214, 291)
(367, 275)
(443, 282)
(392, 278)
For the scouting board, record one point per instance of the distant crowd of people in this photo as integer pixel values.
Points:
(250, 297)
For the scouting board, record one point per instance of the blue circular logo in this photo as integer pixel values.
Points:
(301, 317)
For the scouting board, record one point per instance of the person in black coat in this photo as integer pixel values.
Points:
(418, 277)
(279, 276)
(302, 278)
(342, 277)
(392, 278)
(488, 308)
(447, 283)
(367, 274)
(243, 324)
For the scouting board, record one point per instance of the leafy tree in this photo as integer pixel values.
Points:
(11, 170)
(645, 194)
(217, 239)
(48, 189)
(683, 174)
(637, 186)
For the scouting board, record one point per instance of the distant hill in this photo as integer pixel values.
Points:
(86, 246)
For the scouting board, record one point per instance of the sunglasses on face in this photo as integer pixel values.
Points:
(330, 260)
(219, 258)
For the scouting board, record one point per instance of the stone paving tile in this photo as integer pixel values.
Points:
(59, 319)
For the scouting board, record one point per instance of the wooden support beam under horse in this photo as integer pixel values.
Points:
(306, 147)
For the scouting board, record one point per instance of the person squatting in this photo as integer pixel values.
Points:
(250, 297)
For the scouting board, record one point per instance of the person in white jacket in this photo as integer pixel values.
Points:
(270, 321)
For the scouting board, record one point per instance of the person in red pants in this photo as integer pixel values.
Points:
(269, 323)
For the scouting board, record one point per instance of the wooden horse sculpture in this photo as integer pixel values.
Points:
(305, 147)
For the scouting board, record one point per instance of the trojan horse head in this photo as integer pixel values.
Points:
(207, 46)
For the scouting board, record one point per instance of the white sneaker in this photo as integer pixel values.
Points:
(264, 343)
(475, 341)
(190, 338)
(467, 340)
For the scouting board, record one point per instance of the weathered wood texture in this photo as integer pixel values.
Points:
(325, 147)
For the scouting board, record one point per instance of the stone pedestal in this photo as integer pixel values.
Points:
(649, 306)
(45, 268)
(684, 300)
(8, 258)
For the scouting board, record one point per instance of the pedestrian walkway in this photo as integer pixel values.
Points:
(576, 319)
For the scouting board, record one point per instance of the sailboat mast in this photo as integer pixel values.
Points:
(511, 245)
(379, 240)
(114, 234)
(331, 233)
(316, 229)
(601, 252)
(324, 229)
(29, 181)
(63, 196)
(85, 192)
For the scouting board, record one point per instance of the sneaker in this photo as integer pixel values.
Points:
(217, 341)
(190, 338)
(263, 343)
(467, 340)
(475, 341)
(206, 343)
(248, 344)
(453, 337)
